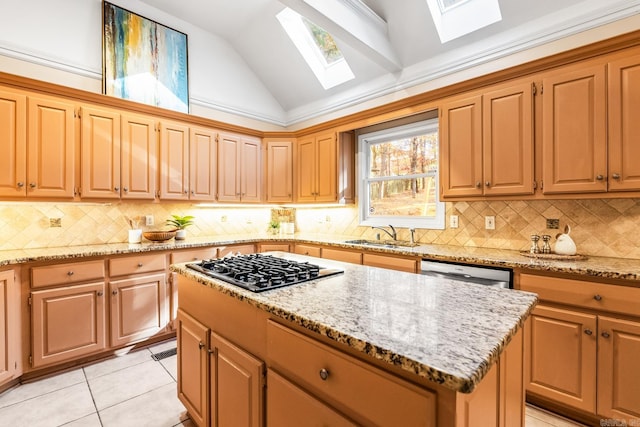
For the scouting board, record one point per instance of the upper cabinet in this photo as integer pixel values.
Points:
(13, 143)
(279, 170)
(317, 166)
(139, 157)
(239, 168)
(486, 143)
(203, 164)
(574, 129)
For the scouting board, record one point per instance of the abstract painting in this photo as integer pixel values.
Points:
(144, 61)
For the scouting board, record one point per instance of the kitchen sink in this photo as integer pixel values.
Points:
(382, 243)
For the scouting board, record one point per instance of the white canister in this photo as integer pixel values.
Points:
(135, 236)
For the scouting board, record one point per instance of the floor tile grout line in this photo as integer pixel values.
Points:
(39, 395)
(92, 398)
(134, 397)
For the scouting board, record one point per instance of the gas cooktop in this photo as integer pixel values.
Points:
(260, 272)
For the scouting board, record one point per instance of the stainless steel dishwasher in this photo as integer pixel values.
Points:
(483, 275)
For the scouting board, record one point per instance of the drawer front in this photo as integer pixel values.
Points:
(137, 264)
(400, 264)
(193, 255)
(267, 247)
(340, 255)
(599, 296)
(241, 249)
(362, 392)
(67, 273)
(308, 250)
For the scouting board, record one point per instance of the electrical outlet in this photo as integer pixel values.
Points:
(328, 218)
(55, 222)
(223, 218)
(148, 220)
(489, 222)
(453, 221)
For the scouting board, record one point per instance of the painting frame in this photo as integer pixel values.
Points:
(143, 61)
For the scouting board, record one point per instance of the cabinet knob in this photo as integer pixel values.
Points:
(600, 177)
(139, 264)
(201, 345)
(478, 184)
(597, 297)
(324, 374)
(193, 192)
(125, 189)
(20, 184)
(32, 184)
(99, 293)
(116, 188)
(186, 192)
(588, 332)
(487, 184)
(69, 273)
(615, 176)
(114, 292)
(605, 334)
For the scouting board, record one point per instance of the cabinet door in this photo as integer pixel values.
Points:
(289, 405)
(203, 151)
(561, 356)
(174, 161)
(13, 144)
(624, 126)
(574, 146)
(9, 327)
(51, 148)
(392, 263)
(279, 171)
(618, 368)
(139, 157)
(229, 168)
(67, 323)
(306, 170)
(461, 147)
(139, 308)
(251, 170)
(508, 140)
(327, 168)
(237, 395)
(100, 153)
(193, 367)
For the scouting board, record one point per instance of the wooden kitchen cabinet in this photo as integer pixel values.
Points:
(487, 143)
(139, 157)
(268, 247)
(342, 255)
(236, 249)
(10, 332)
(393, 263)
(307, 250)
(193, 368)
(50, 148)
(279, 170)
(100, 153)
(139, 298)
(574, 129)
(317, 168)
(13, 143)
(239, 168)
(188, 162)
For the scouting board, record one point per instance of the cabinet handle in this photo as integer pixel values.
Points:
(201, 345)
(193, 192)
(600, 177)
(126, 190)
(588, 331)
(488, 183)
(20, 184)
(597, 297)
(605, 334)
(324, 374)
(69, 273)
(139, 264)
(615, 176)
(211, 351)
(99, 293)
(186, 192)
(116, 188)
(114, 292)
(478, 184)
(32, 184)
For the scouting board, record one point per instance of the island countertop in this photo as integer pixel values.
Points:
(441, 330)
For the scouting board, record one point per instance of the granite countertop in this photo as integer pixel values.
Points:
(438, 329)
(609, 268)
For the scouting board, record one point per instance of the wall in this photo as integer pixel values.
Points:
(605, 227)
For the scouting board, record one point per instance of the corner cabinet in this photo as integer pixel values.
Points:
(486, 143)
(13, 143)
(239, 168)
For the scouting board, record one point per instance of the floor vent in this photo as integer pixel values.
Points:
(164, 354)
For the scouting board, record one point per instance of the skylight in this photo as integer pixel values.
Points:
(456, 18)
(318, 49)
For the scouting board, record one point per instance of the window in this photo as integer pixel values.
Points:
(399, 177)
(318, 49)
(455, 18)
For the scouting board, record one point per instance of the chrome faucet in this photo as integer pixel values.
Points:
(391, 234)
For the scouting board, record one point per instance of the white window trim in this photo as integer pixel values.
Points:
(437, 222)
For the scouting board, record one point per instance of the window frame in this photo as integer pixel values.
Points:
(436, 222)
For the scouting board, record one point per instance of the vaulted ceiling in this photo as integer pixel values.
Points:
(415, 54)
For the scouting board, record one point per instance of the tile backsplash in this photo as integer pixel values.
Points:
(604, 227)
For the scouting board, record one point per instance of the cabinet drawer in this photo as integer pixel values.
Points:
(137, 264)
(62, 274)
(400, 264)
(340, 255)
(238, 249)
(193, 255)
(600, 296)
(308, 250)
(267, 247)
(363, 392)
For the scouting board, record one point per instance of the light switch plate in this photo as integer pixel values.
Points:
(148, 220)
(453, 221)
(489, 222)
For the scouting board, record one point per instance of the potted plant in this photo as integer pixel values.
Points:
(274, 227)
(180, 223)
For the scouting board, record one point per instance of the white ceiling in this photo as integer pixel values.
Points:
(251, 28)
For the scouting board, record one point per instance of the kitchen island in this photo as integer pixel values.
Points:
(369, 346)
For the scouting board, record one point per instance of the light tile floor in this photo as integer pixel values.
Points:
(131, 390)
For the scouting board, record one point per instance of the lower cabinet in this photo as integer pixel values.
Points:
(392, 263)
(219, 383)
(9, 327)
(67, 323)
(342, 255)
